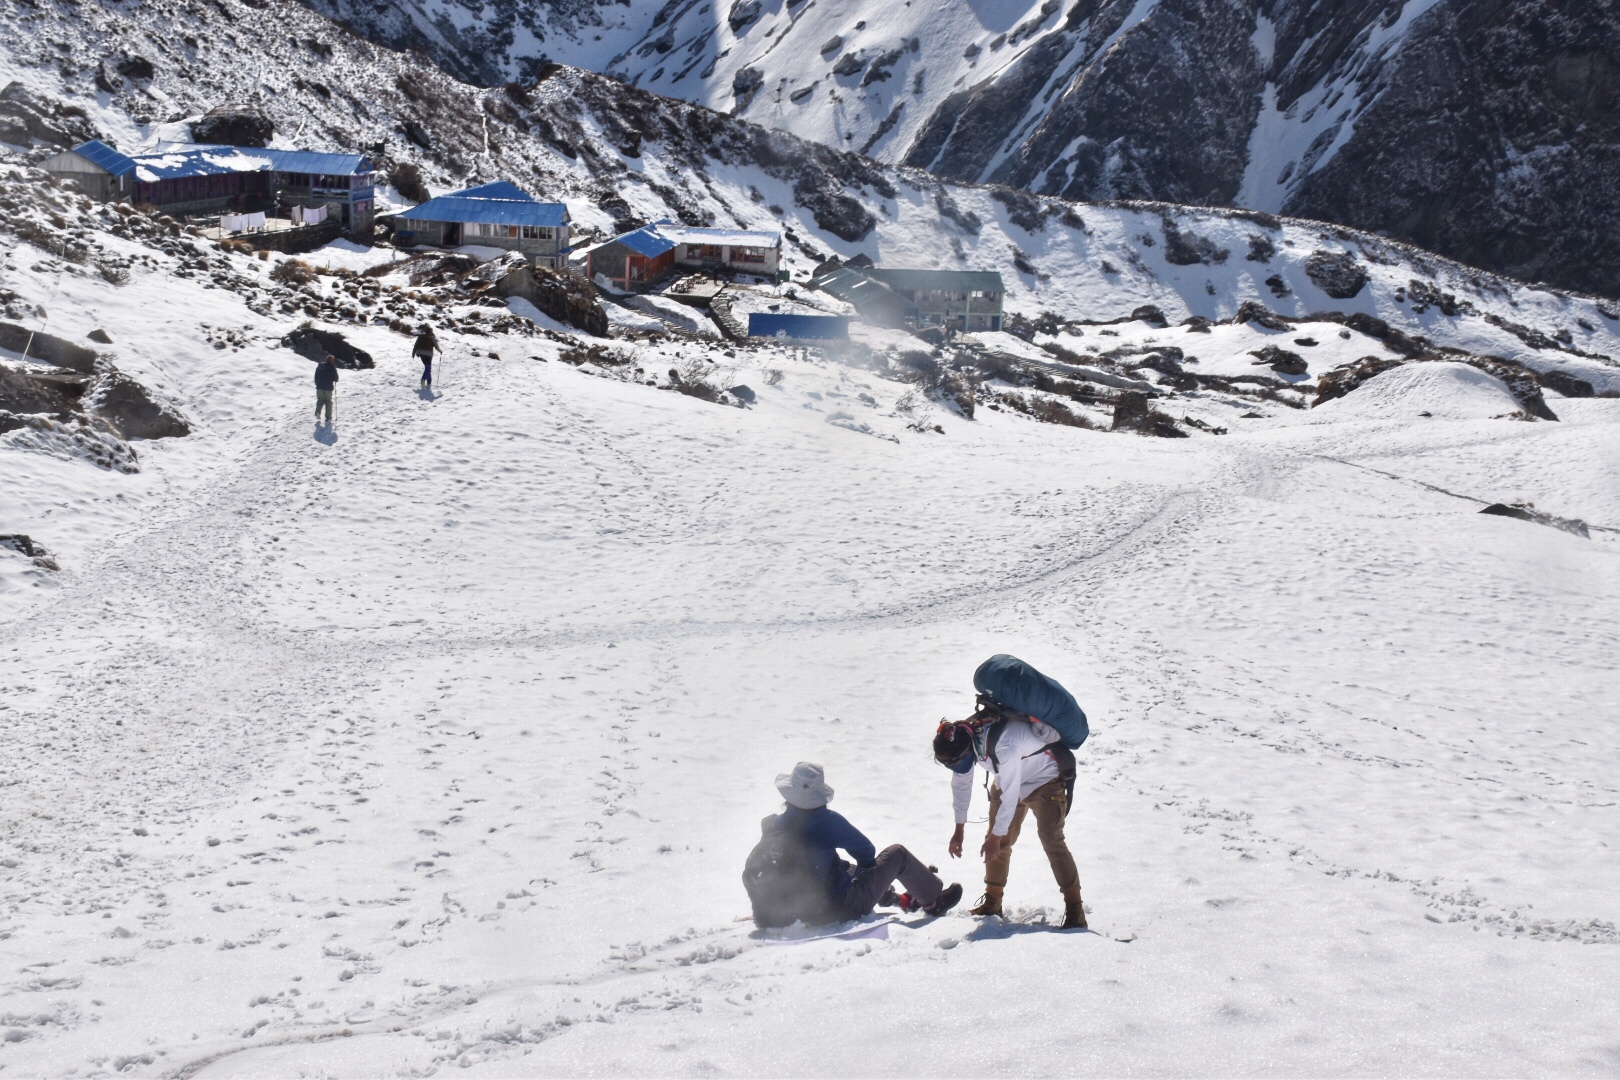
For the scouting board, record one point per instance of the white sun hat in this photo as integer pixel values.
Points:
(805, 787)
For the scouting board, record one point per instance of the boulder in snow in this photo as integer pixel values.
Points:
(743, 13)
(1281, 361)
(314, 344)
(1336, 273)
(130, 408)
(234, 125)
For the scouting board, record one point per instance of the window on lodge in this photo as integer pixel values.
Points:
(511, 232)
(703, 251)
(748, 254)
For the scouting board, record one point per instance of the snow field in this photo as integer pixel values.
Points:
(450, 729)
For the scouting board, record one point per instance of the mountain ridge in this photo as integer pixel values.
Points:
(1482, 130)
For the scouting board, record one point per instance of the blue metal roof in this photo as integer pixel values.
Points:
(183, 161)
(103, 156)
(496, 189)
(498, 203)
(311, 161)
(199, 161)
(646, 242)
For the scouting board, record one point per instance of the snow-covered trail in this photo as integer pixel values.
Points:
(442, 743)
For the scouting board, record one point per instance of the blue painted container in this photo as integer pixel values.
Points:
(799, 327)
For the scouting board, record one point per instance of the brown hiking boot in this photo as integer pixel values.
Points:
(989, 903)
(1074, 912)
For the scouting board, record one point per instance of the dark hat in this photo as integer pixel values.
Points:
(953, 743)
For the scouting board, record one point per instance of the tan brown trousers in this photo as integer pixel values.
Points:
(1048, 803)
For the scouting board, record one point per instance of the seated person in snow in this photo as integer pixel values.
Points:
(796, 873)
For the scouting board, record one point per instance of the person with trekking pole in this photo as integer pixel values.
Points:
(1023, 733)
(326, 377)
(426, 345)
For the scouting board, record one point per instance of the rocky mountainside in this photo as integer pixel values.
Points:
(621, 156)
(1477, 128)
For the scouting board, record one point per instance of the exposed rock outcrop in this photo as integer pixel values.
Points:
(234, 125)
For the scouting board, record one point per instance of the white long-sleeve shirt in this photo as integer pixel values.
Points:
(1024, 767)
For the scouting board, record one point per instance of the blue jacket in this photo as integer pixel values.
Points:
(824, 832)
(326, 376)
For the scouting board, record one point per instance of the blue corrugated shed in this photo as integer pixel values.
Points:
(103, 156)
(800, 327)
(498, 203)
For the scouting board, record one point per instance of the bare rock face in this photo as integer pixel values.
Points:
(130, 408)
(234, 125)
(26, 116)
(1490, 134)
(1566, 384)
(564, 299)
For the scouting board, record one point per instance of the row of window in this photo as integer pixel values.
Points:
(512, 232)
(324, 182)
(717, 253)
(216, 186)
(948, 295)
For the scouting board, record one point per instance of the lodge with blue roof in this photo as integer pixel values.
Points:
(498, 215)
(636, 260)
(193, 179)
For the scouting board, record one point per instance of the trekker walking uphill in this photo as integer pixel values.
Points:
(1023, 734)
(326, 376)
(795, 873)
(423, 350)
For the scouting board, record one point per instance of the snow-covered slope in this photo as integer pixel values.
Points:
(437, 739)
(1486, 134)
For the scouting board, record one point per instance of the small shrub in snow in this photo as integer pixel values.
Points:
(1051, 411)
(292, 272)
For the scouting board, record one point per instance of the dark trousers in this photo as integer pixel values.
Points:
(869, 883)
(427, 369)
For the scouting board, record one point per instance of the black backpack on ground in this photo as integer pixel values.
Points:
(781, 884)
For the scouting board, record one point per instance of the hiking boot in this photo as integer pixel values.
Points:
(890, 898)
(1074, 912)
(946, 900)
(989, 903)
